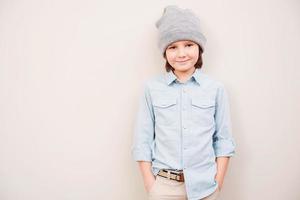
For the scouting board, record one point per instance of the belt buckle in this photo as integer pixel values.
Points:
(169, 174)
(177, 174)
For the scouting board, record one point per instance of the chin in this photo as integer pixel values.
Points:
(183, 69)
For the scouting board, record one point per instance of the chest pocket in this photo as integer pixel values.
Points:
(165, 110)
(203, 111)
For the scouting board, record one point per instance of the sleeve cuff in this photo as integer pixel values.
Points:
(141, 156)
(224, 147)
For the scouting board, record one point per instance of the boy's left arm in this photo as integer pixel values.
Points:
(222, 163)
(223, 142)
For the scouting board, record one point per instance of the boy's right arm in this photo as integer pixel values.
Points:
(144, 138)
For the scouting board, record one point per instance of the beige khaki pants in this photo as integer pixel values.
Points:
(166, 189)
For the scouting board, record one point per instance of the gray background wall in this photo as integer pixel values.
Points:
(70, 78)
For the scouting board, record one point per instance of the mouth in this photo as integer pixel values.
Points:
(183, 61)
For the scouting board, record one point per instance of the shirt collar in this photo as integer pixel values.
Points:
(171, 77)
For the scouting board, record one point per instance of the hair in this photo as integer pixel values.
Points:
(197, 65)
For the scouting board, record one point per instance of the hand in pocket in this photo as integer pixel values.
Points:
(149, 183)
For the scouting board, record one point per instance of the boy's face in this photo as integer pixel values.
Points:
(182, 55)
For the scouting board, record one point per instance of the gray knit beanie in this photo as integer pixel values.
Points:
(178, 24)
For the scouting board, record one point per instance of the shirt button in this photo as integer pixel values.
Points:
(184, 90)
(184, 127)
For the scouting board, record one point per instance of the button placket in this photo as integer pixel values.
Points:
(184, 92)
(184, 122)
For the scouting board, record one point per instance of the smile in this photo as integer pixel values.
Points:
(182, 61)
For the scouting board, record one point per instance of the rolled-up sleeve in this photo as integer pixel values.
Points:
(143, 128)
(223, 141)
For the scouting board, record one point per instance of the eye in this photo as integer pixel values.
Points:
(172, 47)
(190, 45)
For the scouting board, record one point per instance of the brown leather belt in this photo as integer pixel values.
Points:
(172, 174)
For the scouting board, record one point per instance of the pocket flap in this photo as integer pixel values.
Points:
(203, 103)
(164, 102)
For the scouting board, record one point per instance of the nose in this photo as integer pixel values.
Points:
(181, 52)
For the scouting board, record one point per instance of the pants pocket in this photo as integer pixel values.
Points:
(213, 196)
(153, 185)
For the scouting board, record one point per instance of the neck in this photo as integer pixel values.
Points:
(183, 76)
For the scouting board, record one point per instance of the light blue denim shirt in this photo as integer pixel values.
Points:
(184, 126)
